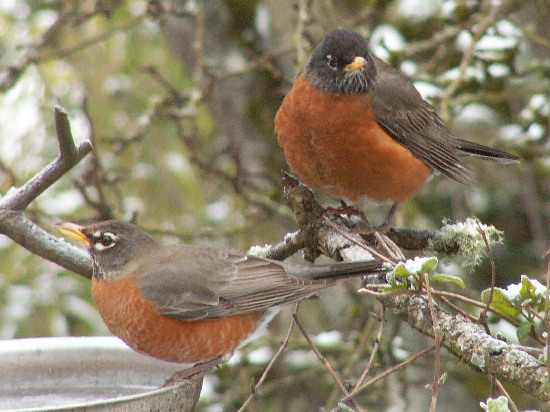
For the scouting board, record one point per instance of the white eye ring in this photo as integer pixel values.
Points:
(332, 62)
(105, 241)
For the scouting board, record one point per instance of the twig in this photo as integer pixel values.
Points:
(434, 41)
(483, 314)
(328, 366)
(303, 17)
(309, 213)
(271, 362)
(472, 345)
(354, 359)
(479, 304)
(437, 338)
(456, 308)
(387, 372)
(392, 250)
(369, 249)
(58, 54)
(461, 337)
(251, 194)
(503, 390)
(293, 243)
(374, 352)
(496, 11)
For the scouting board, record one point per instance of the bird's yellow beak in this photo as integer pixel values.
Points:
(75, 232)
(357, 64)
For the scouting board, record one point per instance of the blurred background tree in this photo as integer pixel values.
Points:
(178, 98)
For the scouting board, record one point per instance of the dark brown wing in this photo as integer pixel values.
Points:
(202, 283)
(403, 114)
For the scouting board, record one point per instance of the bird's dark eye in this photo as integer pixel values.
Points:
(332, 62)
(106, 240)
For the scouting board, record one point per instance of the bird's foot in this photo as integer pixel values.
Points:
(195, 371)
(363, 227)
(348, 210)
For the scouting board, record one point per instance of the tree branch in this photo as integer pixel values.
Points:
(15, 225)
(36, 240)
(469, 342)
(459, 335)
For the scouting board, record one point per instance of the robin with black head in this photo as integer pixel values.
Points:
(192, 304)
(355, 127)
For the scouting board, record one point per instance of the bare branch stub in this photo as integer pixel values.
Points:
(15, 225)
(67, 147)
(69, 156)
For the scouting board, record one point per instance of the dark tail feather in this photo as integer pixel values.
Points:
(344, 270)
(473, 149)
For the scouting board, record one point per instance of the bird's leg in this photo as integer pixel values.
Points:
(385, 226)
(365, 228)
(196, 370)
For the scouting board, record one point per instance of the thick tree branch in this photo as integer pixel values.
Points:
(459, 335)
(15, 225)
(36, 240)
(308, 212)
(469, 342)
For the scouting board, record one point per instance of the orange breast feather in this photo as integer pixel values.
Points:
(334, 143)
(140, 325)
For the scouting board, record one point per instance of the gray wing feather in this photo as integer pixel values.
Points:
(209, 283)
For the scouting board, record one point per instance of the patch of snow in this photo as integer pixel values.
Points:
(512, 291)
(464, 40)
(178, 163)
(330, 338)
(61, 203)
(538, 101)
(476, 113)
(427, 90)
(507, 28)
(498, 70)
(260, 356)
(218, 210)
(418, 10)
(262, 20)
(496, 42)
(511, 132)
(385, 39)
(535, 131)
(409, 68)
(235, 62)
(301, 358)
(414, 266)
(259, 251)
